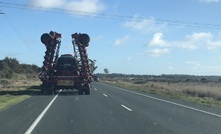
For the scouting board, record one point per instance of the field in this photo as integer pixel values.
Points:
(204, 92)
(15, 91)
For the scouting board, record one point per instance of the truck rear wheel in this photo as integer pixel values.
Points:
(50, 89)
(80, 91)
(87, 91)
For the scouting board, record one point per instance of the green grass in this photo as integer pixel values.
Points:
(12, 97)
(13, 91)
(9, 100)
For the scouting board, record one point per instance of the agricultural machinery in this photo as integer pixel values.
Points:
(68, 71)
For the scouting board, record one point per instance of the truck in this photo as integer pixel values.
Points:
(68, 71)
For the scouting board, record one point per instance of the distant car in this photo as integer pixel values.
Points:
(96, 78)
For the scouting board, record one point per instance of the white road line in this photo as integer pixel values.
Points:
(95, 89)
(173, 103)
(35, 123)
(126, 108)
(105, 95)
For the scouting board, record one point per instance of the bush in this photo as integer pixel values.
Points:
(4, 82)
(11, 68)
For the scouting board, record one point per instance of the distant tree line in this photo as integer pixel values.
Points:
(162, 78)
(11, 68)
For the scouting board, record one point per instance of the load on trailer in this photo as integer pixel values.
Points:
(67, 71)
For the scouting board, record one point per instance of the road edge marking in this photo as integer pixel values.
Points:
(38, 119)
(170, 102)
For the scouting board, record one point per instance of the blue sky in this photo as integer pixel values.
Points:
(142, 37)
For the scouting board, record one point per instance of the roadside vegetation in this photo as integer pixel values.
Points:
(205, 90)
(17, 81)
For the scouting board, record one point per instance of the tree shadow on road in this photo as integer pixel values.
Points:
(36, 91)
(32, 91)
(68, 93)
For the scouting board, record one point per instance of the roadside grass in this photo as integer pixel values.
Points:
(15, 91)
(9, 100)
(207, 94)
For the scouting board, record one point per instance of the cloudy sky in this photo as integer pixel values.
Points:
(142, 37)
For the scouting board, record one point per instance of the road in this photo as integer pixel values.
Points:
(108, 110)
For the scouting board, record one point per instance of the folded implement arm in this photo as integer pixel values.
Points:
(66, 71)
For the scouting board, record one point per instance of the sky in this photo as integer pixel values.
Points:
(150, 37)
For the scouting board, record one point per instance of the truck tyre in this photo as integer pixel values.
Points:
(87, 91)
(80, 91)
(50, 89)
(42, 90)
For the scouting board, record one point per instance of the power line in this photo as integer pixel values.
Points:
(7, 18)
(1, 12)
(14, 28)
(111, 16)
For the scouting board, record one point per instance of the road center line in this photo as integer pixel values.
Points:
(170, 102)
(105, 95)
(126, 108)
(95, 89)
(35, 123)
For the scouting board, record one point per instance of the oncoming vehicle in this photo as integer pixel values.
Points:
(96, 78)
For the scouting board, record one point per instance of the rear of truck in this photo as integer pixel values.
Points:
(67, 72)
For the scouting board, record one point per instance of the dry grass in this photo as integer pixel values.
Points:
(198, 89)
(210, 90)
(7, 85)
(14, 91)
(204, 93)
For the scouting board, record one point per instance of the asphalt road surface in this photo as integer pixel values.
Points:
(108, 110)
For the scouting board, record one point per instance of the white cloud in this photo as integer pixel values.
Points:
(158, 52)
(144, 25)
(121, 41)
(158, 40)
(84, 6)
(91, 6)
(191, 42)
(48, 3)
(186, 45)
(203, 39)
(209, 1)
(199, 37)
(213, 44)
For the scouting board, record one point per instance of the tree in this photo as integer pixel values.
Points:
(203, 80)
(92, 65)
(106, 71)
(10, 67)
